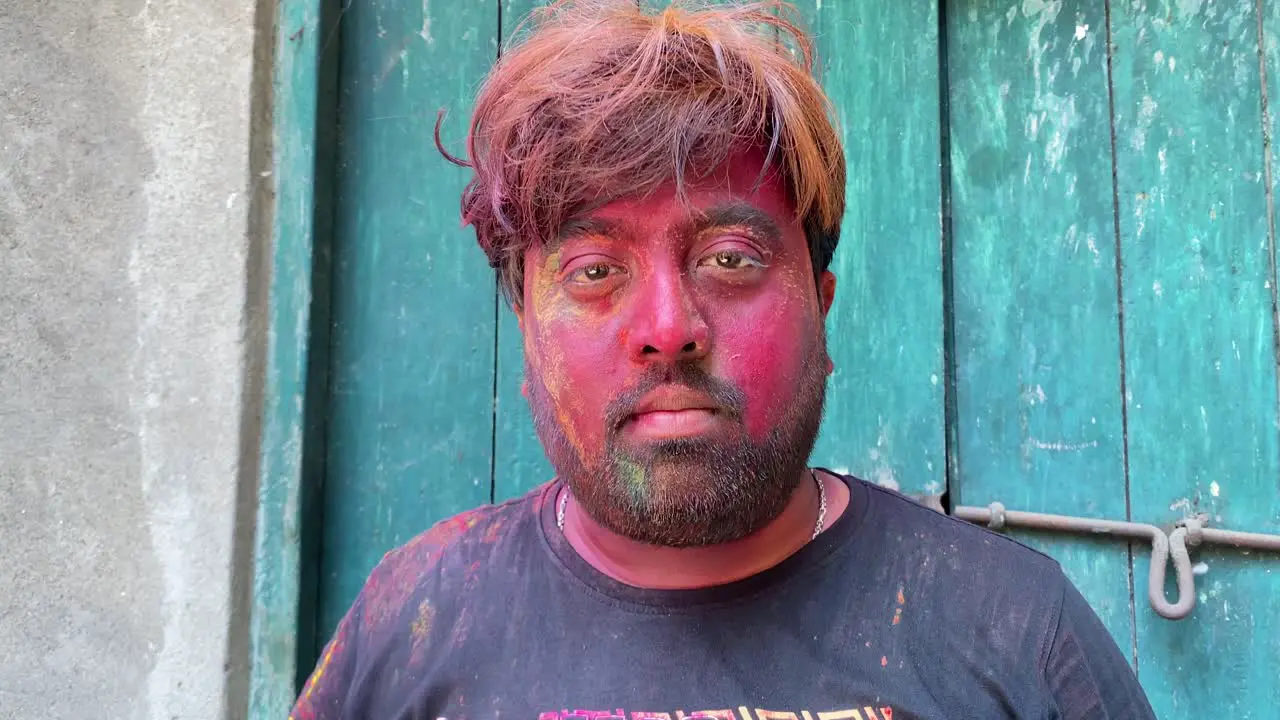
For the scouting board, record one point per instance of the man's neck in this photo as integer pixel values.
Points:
(665, 568)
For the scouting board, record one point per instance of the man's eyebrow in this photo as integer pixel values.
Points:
(582, 227)
(737, 214)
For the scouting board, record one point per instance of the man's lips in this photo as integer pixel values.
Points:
(672, 411)
(674, 398)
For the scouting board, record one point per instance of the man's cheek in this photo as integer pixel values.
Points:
(576, 373)
(579, 351)
(766, 367)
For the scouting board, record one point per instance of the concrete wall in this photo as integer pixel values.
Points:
(129, 268)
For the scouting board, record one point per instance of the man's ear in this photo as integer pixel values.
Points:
(826, 296)
(826, 290)
(518, 309)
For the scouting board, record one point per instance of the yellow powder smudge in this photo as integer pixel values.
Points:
(422, 624)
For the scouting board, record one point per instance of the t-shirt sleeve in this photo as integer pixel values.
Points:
(324, 697)
(1086, 674)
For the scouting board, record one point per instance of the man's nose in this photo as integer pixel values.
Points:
(667, 325)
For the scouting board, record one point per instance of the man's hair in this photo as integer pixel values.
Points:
(604, 100)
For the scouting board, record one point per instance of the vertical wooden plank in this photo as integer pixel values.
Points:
(519, 461)
(1038, 373)
(290, 452)
(411, 384)
(885, 402)
(1269, 32)
(1199, 337)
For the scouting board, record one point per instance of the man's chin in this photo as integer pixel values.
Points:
(676, 451)
(681, 484)
(675, 472)
(685, 496)
(690, 524)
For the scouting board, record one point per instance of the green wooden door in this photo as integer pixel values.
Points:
(1114, 287)
(1056, 290)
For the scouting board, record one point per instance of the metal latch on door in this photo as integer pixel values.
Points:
(1188, 532)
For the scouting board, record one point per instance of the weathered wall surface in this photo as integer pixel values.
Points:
(125, 198)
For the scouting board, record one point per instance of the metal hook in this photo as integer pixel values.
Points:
(1188, 532)
(1162, 547)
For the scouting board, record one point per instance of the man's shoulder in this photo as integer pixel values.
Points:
(984, 607)
(447, 557)
(480, 530)
(967, 564)
(968, 579)
(895, 507)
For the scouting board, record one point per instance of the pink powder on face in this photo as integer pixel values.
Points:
(589, 348)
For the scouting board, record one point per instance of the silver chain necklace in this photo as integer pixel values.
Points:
(817, 527)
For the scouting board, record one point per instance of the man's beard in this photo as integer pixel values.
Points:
(687, 492)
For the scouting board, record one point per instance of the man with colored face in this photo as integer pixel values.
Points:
(660, 193)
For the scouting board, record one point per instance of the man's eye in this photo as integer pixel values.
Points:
(593, 273)
(731, 260)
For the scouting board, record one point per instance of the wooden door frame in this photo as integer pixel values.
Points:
(291, 454)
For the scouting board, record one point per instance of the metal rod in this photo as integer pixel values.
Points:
(1190, 531)
(1197, 534)
(997, 518)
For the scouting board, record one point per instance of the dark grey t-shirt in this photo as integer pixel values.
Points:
(894, 612)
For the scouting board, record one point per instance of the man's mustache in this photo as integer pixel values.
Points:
(728, 399)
